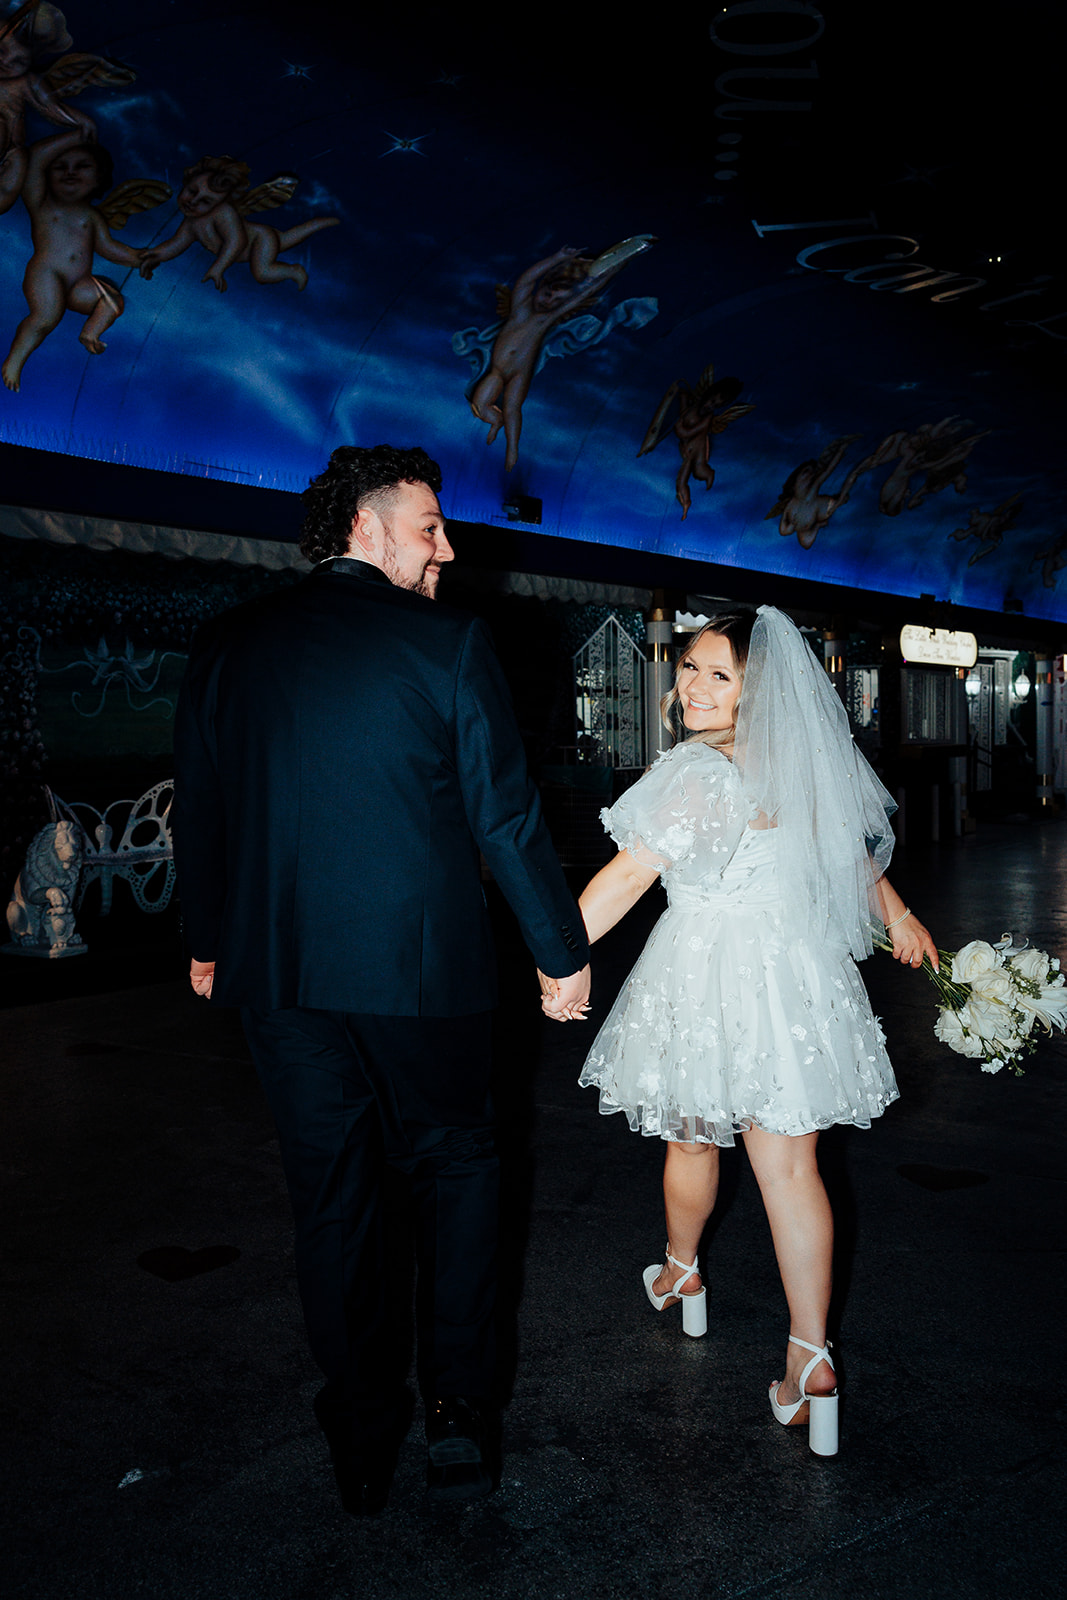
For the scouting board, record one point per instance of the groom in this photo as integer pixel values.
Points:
(344, 749)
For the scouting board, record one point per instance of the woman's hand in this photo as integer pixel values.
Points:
(911, 941)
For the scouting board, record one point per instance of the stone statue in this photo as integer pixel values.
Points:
(40, 913)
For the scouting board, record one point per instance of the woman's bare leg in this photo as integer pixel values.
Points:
(690, 1187)
(802, 1227)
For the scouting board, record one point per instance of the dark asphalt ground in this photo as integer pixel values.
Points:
(159, 1434)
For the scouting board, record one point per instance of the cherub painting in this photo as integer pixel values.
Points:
(802, 507)
(705, 409)
(989, 527)
(542, 298)
(938, 451)
(1053, 560)
(33, 30)
(215, 201)
(64, 176)
(935, 452)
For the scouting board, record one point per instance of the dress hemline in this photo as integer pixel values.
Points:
(745, 1125)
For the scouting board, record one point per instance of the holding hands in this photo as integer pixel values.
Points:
(565, 999)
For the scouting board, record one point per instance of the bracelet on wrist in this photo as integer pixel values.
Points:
(903, 914)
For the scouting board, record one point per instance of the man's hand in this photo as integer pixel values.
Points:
(565, 999)
(201, 976)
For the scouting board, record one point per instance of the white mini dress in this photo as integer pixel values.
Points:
(728, 1021)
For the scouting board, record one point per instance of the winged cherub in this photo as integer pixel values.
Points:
(802, 508)
(545, 295)
(1053, 560)
(33, 30)
(64, 175)
(705, 409)
(935, 452)
(215, 202)
(989, 527)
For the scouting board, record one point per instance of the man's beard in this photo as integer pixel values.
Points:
(425, 583)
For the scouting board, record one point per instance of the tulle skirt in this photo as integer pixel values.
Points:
(724, 1025)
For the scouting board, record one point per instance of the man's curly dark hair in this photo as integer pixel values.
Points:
(356, 477)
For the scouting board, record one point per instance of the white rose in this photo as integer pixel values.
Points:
(991, 1021)
(974, 958)
(949, 1029)
(1031, 964)
(992, 1066)
(996, 987)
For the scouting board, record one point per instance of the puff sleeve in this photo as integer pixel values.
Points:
(681, 812)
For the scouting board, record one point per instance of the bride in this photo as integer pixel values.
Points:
(745, 1012)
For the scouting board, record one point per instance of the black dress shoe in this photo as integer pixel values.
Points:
(459, 1436)
(363, 1451)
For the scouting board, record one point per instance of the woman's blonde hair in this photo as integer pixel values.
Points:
(734, 626)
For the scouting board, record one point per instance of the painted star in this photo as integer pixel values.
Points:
(449, 78)
(410, 146)
(292, 70)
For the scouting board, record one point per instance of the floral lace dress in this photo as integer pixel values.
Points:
(729, 1020)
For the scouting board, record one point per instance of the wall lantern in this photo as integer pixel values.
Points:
(973, 685)
(1021, 687)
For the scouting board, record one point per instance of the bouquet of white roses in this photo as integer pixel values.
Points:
(993, 995)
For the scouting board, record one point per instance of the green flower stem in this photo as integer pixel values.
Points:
(954, 995)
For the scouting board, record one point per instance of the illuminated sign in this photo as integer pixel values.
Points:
(938, 647)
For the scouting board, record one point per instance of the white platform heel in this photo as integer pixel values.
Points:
(822, 1408)
(694, 1306)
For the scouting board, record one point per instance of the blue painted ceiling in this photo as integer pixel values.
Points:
(836, 322)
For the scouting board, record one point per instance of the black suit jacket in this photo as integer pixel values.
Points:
(342, 751)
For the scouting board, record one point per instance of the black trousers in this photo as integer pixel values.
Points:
(350, 1094)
